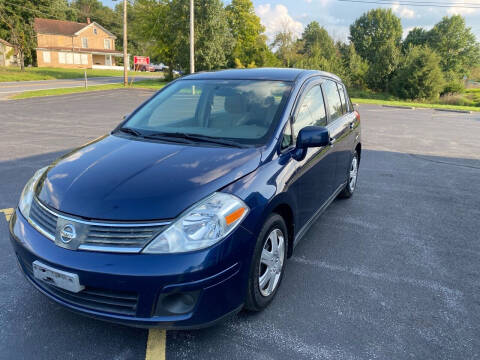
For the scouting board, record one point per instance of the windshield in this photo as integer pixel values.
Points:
(244, 111)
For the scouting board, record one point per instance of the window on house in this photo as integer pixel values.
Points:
(84, 43)
(69, 58)
(76, 59)
(95, 31)
(106, 44)
(61, 58)
(46, 57)
(84, 59)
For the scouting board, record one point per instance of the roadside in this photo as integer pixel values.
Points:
(26, 89)
(14, 74)
(142, 84)
(414, 104)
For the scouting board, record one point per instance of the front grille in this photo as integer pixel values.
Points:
(115, 302)
(127, 237)
(91, 235)
(46, 220)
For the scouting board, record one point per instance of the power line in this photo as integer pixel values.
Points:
(449, 3)
(405, 2)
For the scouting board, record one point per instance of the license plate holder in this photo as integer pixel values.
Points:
(59, 278)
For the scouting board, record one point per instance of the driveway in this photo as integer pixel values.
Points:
(392, 273)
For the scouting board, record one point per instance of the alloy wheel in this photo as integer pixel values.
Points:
(352, 179)
(271, 262)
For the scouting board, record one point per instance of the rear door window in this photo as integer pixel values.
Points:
(335, 109)
(341, 91)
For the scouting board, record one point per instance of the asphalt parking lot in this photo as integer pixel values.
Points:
(392, 273)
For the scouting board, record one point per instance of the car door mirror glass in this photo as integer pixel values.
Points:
(313, 136)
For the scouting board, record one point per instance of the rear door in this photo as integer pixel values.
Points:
(341, 121)
(315, 173)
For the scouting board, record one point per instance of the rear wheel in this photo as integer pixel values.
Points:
(268, 264)
(352, 177)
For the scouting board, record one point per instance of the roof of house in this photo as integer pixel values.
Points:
(59, 27)
(63, 27)
(4, 42)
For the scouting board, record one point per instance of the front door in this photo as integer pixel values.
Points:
(108, 60)
(315, 173)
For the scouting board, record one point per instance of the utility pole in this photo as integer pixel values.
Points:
(192, 45)
(125, 55)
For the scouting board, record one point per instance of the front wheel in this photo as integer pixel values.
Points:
(268, 263)
(351, 177)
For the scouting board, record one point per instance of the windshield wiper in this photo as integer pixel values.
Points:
(199, 138)
(130, 131)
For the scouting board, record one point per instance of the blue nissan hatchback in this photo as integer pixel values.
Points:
(187, 211)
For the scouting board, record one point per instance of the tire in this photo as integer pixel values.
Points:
(352, 173)
(259, 297)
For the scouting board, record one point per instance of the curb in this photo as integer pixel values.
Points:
(399, 107)
(455, 111)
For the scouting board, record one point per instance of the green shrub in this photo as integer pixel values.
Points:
(419, 75)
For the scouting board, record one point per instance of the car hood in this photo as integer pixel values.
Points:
(117, 178)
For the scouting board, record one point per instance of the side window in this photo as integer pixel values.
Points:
(334, 102)
(311, 112)
(341, 91)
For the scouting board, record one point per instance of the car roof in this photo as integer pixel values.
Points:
(277, 74)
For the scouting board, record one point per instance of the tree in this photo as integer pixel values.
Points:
(165, 25)
(415, 37)
(377, 35)
(317, 40)
(250, 45)
(456, 44)
(373, 29)
(319, 51)
(286, 47)
(420, 75)
(355, 67)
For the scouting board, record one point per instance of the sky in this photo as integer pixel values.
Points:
(336, 16)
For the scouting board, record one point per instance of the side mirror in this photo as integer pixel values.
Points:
(313, 136)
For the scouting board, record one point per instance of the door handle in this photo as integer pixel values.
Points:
(352, 124)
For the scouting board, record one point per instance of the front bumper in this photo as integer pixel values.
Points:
(131, 288)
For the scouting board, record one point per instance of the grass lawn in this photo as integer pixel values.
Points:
(368, 97)
(33, 73)
(414, 104)
(144, 84)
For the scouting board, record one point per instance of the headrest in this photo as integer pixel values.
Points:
(235, 104)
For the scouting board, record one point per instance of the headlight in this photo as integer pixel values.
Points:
(203, 225)
(28, 191)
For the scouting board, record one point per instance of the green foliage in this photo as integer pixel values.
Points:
(415, 37)
(250, 45)
(419, 76)
(286, 48)
(376, 36)
(456, 44)
(356, 68)
(376, 28)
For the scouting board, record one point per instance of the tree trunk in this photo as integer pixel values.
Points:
(22, 60)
